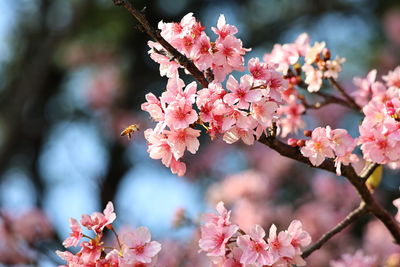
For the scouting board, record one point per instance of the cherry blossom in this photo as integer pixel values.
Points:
(255, 248)
(76, 234)
(138, 247)
(356, 260)
(318, 148)
(97, 221)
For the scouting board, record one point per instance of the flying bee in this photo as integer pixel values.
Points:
(130, 130)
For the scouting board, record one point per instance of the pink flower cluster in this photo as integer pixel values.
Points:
(222, 56)
(227, 245)
(242, 111)
(20, 235)
(380, 129)
(317, 62)
(134, 249)
(328, 143)
(356, 260)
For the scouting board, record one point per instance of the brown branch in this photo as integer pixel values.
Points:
(285, 150)
(350, 100)
(348, 172)
(330, 99)
(156, 36)
(350, 218)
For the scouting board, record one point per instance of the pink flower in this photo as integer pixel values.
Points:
(280, 245)
(234, 260)
(356, 260)
(290, 116)
(214, 238)
(70, 258)
(333, 67)
(183, 139)
(341, 141)
(244, 129)
(255, 249)
(90, 252)
(229, 54)
(242, 94)
(138, 247)
(392, 79)
(378, 147)
(318, 147)
(264, 112)
(283, 55)
(174, 91)
(224, 29)
(97, 221)
(180, 114)
(363, 92)
(154, 107)
(168, 67)
(76, 234)
(220, 219)
(302, 44)
(300, 238)
(313, 78)
(201, 53)
(158, 146)
(258, 70)
(177, 167)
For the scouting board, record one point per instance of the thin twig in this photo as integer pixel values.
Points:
(338, 87)
(156, 36)
(350, 218)
(330, 98)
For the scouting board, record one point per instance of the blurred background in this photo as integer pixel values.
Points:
(73, 75)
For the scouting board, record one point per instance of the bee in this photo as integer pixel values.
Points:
(130, 130)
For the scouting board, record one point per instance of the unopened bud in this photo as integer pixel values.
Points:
(301, 142)
(390, 111)
(326, 53)
(292, 142)
(307, 133)
(389, 104)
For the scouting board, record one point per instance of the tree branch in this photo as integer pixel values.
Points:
(285, 150)
(156, 36)
(348, 172)
(350, 100)
(350, 218)
(330, 98)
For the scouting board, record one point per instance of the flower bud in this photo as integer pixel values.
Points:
(292, 142)
(307, 133)
(390, 111)
(301, 142)
(326, 53)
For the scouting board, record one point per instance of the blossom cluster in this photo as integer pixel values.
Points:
(228, 245)
(331, 143)
(380, 129)
(135, 247)
(222, 56)
(356, 260)
(243, 110)
(317, 62)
